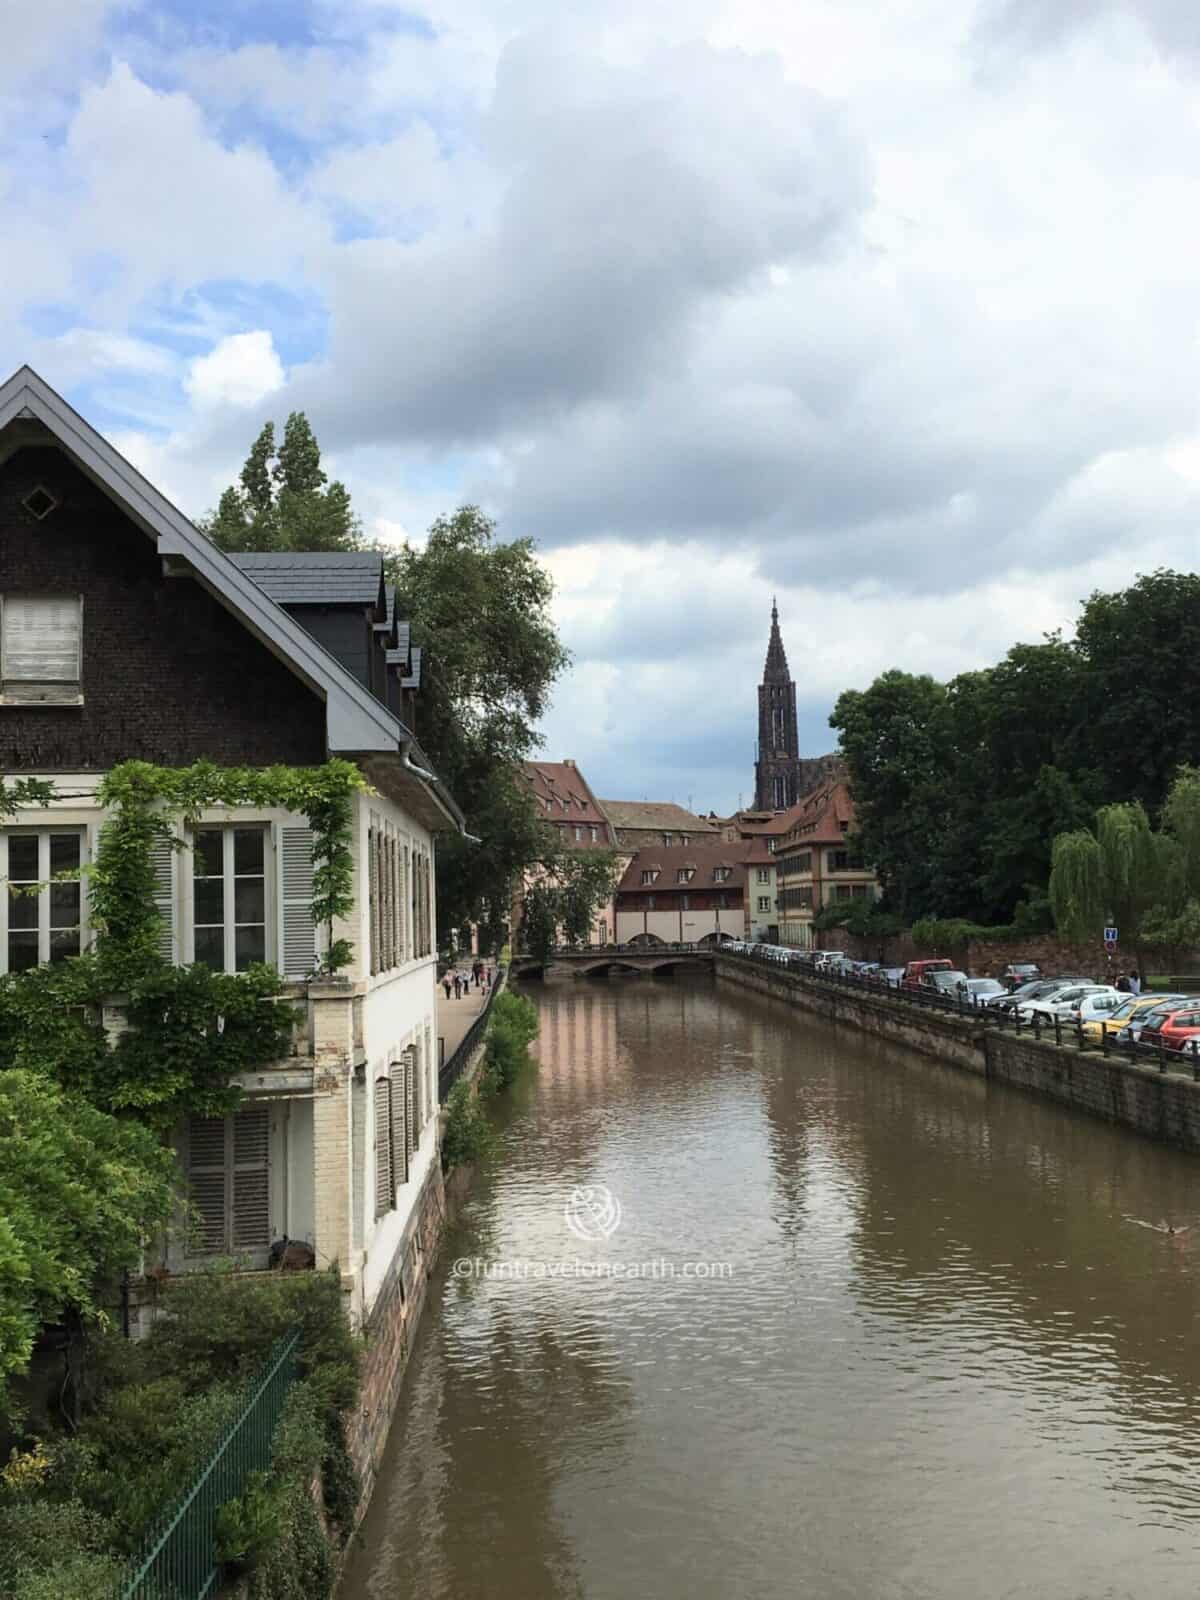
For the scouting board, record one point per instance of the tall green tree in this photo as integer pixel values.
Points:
(283, 499)
(1116, 873)
(481, 608)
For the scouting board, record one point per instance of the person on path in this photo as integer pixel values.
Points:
(1122, 983)
(1135, 982)
(457, 987)
(446, 984)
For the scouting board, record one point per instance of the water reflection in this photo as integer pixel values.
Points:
(945, 1365)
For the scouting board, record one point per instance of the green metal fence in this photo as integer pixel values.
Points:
(178, 1559)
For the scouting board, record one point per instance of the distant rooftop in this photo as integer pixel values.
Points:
(662, 815)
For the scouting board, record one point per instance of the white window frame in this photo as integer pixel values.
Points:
(764, 902)
(43, 927)
(227, 828)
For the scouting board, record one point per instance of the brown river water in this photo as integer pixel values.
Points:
(935, 1346)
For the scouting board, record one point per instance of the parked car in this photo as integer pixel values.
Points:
(1063, 1002)
(952, 982)
(894, 975)
(985, 991)
(1093, 1007)
(1159, 1003)
(915, 971)
(1038, 990)
(1132, 1009)
(1017, 973)
(1176, 1026)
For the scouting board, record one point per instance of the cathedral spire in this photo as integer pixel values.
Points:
(776, 669)
(777, 770)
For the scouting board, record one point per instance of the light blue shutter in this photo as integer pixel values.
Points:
(162, 858)
(298, 940)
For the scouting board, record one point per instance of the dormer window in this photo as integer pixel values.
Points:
(41, 639)
(721, 874)
(650, 874)
(667, 840)
(685, 875)
(685, 838)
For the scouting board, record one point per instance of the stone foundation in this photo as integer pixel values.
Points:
(1160, 1105)
(391, 1328)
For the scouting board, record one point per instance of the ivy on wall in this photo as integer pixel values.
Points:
(189, 1030)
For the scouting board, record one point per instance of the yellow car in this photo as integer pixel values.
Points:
(1129, 1008)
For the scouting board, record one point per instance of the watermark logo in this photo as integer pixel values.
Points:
(592, 1212)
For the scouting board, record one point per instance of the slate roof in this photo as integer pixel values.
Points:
(659, 815)
(413, 680)
(316, 577)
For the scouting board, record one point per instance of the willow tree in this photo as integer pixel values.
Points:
(1077, 885)
(1114, 875)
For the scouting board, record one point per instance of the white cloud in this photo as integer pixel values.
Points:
(240, 371)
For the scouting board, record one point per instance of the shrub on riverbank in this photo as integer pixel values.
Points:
(513, 1029)
(73, 1506)
(467, 1134)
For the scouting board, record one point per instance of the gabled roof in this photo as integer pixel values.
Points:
(317, 577)
(824, 817)
(413, 680)
(660, 815)
(566, 797)
(356, 722)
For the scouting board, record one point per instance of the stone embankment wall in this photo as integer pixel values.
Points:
(1161, 1105)
(390, 1330)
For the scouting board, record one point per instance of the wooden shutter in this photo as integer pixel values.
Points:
(399, 1122)
(373, 893)
(206, 1183)
(418, 1091)
(162, 858)
(410, 1097)
(385, 1191)
(251, 1197)
(41, 640)
(298, 943)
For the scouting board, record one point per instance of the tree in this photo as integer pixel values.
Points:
(893, 738)
(80, 1193)
(561, 902)
(285, 501)
(1140, 650)
(480, 608)
(1119, 871)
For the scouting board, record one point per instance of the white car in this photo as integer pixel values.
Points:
(1087, 1001)
(985, 991)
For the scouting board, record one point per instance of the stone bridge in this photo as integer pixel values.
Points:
(600, 960)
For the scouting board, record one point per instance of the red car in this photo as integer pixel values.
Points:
(1177, 1029)
(915, 972)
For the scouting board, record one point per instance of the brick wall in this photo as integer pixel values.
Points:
(987, 958)
(168, 674)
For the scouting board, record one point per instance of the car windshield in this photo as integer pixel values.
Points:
(984, 986)
(1125, 1009)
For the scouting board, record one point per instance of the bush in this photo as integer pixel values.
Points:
(467, 1135)
(49, 1552)
(519, 1013)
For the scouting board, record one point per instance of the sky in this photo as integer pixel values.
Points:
(889, 311)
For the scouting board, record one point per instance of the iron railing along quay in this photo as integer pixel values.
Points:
(178, 1557)
(455, 1064)
(1070, 1034)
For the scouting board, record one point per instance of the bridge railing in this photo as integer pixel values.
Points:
(1059, 1030)
(592, 950)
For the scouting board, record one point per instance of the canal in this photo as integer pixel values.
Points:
(951, 1354)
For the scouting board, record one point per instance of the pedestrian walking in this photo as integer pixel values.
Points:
(446, 984)
(1122, 983)
(1135, 981)
(457, 987)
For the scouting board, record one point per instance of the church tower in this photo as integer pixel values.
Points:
(777, 769)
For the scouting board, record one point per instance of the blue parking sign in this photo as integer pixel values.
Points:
(1110, 936)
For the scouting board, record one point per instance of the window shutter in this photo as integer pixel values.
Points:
(41, 640)
(373, 893)
(162, 858)
(385, 1192)
(399, 1130)
(410, 1097)
(206, 1182)
(251, 1179)
(298, 944)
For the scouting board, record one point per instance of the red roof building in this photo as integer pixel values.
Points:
(817, 864)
